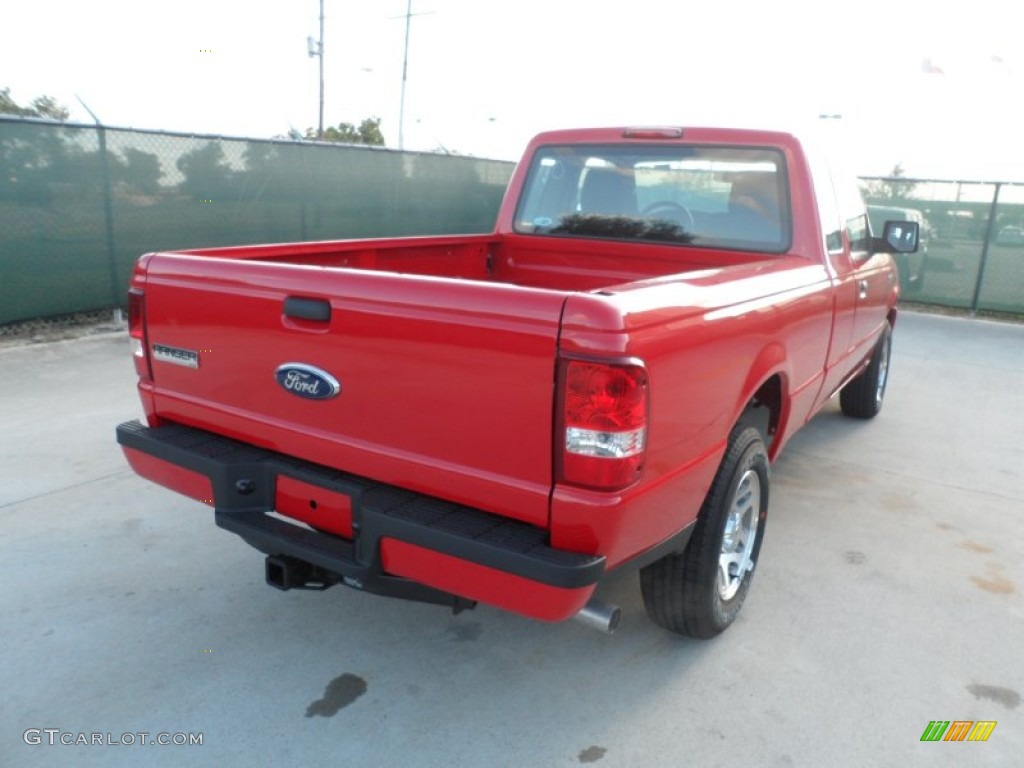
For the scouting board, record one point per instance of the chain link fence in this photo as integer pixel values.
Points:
(79, 203)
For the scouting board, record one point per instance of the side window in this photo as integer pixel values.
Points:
(854, 213)
(828, 209)
(858, 229)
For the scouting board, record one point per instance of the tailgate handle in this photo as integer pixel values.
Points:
(307, 309)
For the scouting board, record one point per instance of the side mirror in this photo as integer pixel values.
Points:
(899, 237)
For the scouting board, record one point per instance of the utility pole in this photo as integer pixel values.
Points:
(405, 71)
(317, 49)
(320, 128)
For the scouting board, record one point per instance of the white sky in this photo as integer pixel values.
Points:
(485, 76)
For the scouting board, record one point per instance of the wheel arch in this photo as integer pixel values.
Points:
(764, 402)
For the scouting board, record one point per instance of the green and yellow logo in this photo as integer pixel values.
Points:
(958, 730)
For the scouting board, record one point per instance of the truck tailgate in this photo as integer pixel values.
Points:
(446, 386)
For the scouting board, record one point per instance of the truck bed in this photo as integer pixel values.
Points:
(444, 347)
(561, 264)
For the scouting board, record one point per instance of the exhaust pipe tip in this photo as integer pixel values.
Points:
(600, 615)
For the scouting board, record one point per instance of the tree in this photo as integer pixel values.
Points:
(32, 156)
(42, 106)
(206, 173)
(891, 188)
(140, 171)
(368, 133)
(275, 171)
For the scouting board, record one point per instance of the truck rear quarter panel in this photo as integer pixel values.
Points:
(709, 341)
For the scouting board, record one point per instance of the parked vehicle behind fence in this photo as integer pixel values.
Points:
(912, 267)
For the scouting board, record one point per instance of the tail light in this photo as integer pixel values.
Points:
(602, 435)
(137, 333)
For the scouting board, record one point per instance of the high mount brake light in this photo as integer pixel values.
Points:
(652, 133)
(602, 436)
(137, 333)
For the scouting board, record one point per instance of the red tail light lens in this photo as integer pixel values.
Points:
(603, 434)
(137, 332)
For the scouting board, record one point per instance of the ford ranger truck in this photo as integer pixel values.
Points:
(599, 384)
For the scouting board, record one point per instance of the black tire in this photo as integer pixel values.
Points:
(682, 592)
(862, 397)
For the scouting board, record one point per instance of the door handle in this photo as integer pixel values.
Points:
(862, 286)
(307, 309)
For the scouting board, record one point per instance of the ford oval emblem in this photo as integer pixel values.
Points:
(307, 381)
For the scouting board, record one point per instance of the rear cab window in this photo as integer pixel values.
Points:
(695, 195)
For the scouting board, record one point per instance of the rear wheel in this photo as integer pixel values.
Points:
(862, 397)
(700, 592)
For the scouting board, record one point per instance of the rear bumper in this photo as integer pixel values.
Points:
(402, 544)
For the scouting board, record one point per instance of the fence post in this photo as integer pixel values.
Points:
(108, 214)
(116, 297)
(991, 225)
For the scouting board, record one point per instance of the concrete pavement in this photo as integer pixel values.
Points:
(889, 594)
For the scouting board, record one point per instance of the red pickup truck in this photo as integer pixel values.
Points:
(597, 385)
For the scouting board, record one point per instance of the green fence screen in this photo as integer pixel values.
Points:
(78, 203)
(973, 239)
